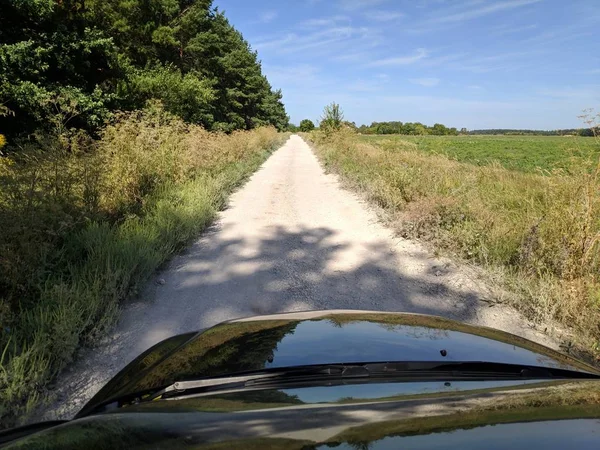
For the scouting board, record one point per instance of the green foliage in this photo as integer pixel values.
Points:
(307, 125)
(586, 132)
(106, 55)
(523, 153)
(84, 229)
(188, 96)
(93, 199)
(196, 39)
(408, 128)
(333, 118)
(542, 231)
(49, 51)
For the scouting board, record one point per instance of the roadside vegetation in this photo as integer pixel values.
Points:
(541, 229)
(82, 232)
(124, 126)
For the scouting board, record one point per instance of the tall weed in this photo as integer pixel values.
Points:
(85, 226)
(544, 231)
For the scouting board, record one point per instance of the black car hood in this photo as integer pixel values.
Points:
(309, 338)
(332, 414)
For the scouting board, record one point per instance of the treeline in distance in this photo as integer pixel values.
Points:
(408, 128)
(419, 129)
(566, 132)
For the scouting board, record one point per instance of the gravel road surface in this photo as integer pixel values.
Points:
(292, 239)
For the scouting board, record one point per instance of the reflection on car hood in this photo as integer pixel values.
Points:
(300, 339)
(334, 414)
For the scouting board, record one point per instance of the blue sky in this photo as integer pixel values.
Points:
(464, 63)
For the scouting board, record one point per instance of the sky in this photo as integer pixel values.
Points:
(464, 63)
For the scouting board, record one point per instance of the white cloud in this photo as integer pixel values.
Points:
(300, 75)
(293, 41)
(426, 82)
(443, 60)
(353, 5)
(473, 13)
(498, 62)
(352, 57)
(590, 93)
(363, 86)
(327, 41)
(435, 103)
(504, 30)
(383, 16)
(268, 16)
(324, 22)
(420, 54)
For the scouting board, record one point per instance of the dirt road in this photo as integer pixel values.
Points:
(292, 239)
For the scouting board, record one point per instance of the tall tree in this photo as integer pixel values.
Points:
(94, 56)
(198, 39)
(52, 58)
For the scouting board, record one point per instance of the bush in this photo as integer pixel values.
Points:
(189, 96)
(333, 118)
(307, 126)
(86, 223)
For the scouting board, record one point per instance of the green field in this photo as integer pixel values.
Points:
(524, 153)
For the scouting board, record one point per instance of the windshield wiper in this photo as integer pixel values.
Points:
(368, 372)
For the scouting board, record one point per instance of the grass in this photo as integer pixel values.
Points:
(541, 231)
(86, 223)
(523, 153)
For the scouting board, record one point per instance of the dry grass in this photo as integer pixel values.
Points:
(85, 223)
(542, 231)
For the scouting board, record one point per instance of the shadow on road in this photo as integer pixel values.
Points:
(308, 269)
(278, 270)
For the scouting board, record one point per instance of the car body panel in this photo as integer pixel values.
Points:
(322, 338)
(341, 412)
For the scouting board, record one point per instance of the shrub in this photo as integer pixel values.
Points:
(333, 118)
(85, 224)
(189, 96)
(307, 126)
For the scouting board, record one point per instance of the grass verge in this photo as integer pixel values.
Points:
(85, 227)
(541, 231)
